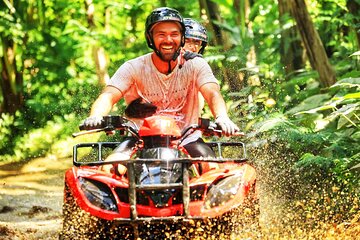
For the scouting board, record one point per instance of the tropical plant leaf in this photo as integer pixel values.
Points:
(311, 103)
(214, 58)
(315, 110)
(272, 123)
(312, 163)
(352, 96)
(356, 136)
(355, 54)
(347, 82)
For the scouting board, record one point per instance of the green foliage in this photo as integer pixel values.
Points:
(343, 106)
(323, 133)
(39, 141)
(6, 123)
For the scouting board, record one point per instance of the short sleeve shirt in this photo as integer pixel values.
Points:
(175, 94)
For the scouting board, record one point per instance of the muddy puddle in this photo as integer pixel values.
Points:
(31, 198)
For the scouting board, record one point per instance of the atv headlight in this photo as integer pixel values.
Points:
(222, 191)
(99, 194)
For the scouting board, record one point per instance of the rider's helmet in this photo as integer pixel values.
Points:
(194, 30)
(163, 14)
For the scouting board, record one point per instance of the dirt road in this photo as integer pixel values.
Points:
(31, 196)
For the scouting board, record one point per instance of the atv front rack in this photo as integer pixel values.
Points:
(100, 149)
(100, 155)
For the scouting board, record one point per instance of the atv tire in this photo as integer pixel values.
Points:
(78, 224)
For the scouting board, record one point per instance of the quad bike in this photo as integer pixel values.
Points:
(162, 195)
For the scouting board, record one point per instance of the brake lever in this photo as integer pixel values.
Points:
(239, 134)
(218, 132)
(105, 129)
(217, 129)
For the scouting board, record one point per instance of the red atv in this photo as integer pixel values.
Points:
(161, 195)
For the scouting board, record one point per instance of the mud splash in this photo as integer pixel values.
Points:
(31, 196)
(291, 208)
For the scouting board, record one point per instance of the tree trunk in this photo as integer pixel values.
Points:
(314, 47)
(107, 20)
(229, 70)
(101, 64)
(354, 8)
(11, 81)
(211, 10)
(240, 8)
(250, 76)
(99, 55)
(291, 50)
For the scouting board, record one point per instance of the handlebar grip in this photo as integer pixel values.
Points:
(211, 128)
(82, 127)
(109, 121)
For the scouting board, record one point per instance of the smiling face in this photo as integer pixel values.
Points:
(167, 39)
(192, 45)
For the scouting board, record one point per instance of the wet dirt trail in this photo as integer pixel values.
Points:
(31, 196)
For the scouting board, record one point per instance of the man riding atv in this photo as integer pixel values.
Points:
(196, 40)
(157, 78)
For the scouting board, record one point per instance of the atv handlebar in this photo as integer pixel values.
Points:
(111, 123)
(209, 128)
(107, 122)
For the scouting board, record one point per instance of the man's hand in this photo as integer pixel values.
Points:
(137, 109)
(92, 122)
(191, 55)
(227, 126)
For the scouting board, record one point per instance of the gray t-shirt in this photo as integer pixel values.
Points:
(175, 94)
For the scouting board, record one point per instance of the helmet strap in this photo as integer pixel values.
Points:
(169, 69)
(201, 51)
(176, 54)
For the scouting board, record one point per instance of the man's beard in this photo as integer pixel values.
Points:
(167, 56)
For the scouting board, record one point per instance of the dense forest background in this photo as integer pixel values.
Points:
(289, 71)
